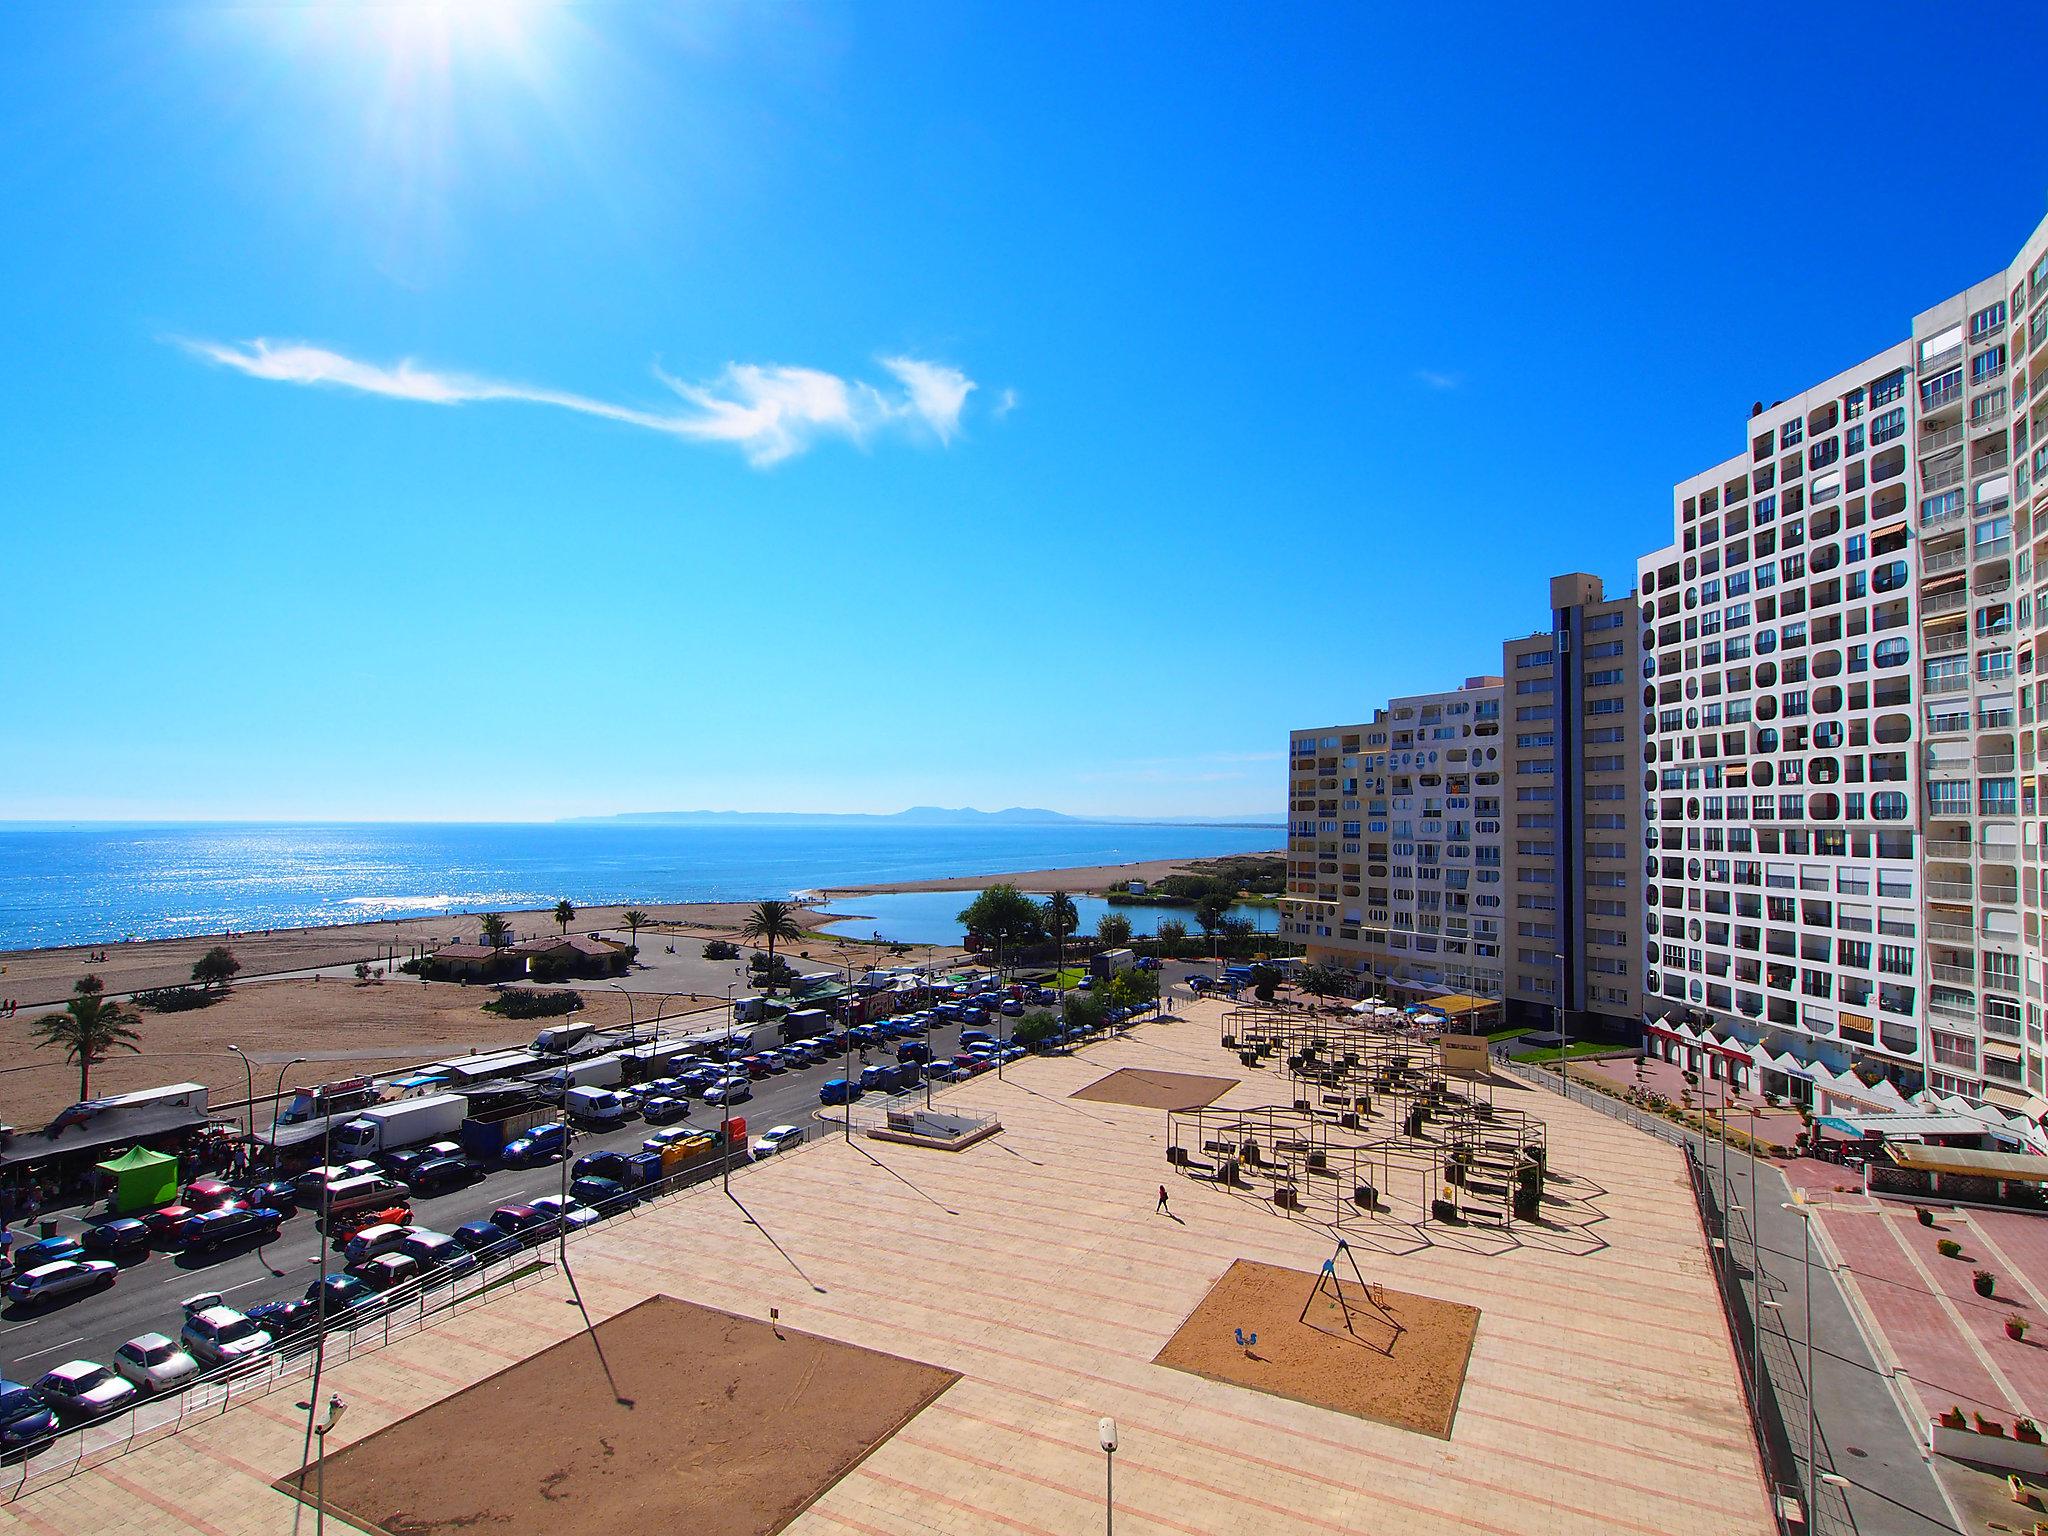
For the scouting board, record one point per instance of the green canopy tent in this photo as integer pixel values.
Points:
(143, 1180)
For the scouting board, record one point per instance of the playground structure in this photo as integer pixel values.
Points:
(1376, 1130)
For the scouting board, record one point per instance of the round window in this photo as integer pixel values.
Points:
(1888, 805)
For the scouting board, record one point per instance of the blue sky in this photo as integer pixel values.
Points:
(515, 410)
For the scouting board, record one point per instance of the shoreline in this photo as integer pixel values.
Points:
(37, 976)
(1079, 880)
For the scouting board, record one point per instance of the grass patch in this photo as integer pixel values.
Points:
(1069, 978)
(1571, 1052)
(1500, 1035)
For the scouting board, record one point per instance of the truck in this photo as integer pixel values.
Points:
(486, 1131)
(595, 1106)
(805, 1023)
(557, 1038)
(408, 1123)
(597, 1072)
(1108, 962)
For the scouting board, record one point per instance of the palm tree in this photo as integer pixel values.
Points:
(770, 923)
(565, 914)
(495, 930)
(88, 1028)
(635, 920)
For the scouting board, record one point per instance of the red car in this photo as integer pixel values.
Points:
(349, 1223)
(167, 1222)
(207, 1194)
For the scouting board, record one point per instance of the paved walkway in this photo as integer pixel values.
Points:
(1601, 1396)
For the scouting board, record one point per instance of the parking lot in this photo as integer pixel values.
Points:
(149, 1288)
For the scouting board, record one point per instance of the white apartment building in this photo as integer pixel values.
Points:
(1842, 871)
(1394, 842)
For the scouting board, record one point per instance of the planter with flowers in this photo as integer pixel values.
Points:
(1984, 1281)
(1986, 1443)
(2016, 1326)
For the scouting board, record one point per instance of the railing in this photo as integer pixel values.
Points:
(1946, 848)
(1966, 975)
(1934, 442)
(1944, 560)
(1944, 602)
(1949, 890)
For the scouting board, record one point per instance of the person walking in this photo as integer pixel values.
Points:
(1161, 1207)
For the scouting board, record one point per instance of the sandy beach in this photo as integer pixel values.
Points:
(1088, 880)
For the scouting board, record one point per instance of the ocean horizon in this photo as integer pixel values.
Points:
(103, 882)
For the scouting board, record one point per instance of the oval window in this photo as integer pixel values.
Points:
(1762, 775)
(1766, 641)
(1767, 675)
(1888, 577)
(1823, 770)
(1825, 702)
(1827, 663)
(1888, 805)
(1895, 652)
(1823, 807)
(1767, 707)
(1892, 729)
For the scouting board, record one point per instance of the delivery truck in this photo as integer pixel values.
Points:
(595, 1107)
(408, 1123)
(597, 1072)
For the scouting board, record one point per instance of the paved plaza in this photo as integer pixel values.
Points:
(1601, 1395)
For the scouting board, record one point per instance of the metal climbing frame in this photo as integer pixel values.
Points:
(1302, 1160)
(1495, 1162)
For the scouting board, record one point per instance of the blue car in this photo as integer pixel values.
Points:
(124, 1237)
(601, 1194)
(538, 1145)
(344, 1293)
(25, 1419)
(836, 1090)
(600, 1165)
(485, 1239)
(48, 1250)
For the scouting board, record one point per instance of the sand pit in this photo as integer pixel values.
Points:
(1156, 1090)
(1409, 1378)
(732, 1431)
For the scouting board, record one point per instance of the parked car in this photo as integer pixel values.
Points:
(346, 1227)
(440, 1174)
(601, 1165)
(775, 1139)
(664, 1109)
(437, 1252)
(208, 1194)
(567, 1213)
(734, 1090)
(1012, 1007)
(279, 1195)
(837, 1090)
(218, 1335)
(154, 1363)
(67, 1277)
(210, 1230)
(385, 1237)
(524, 1222)
(284, 1319)
(605, 1196)
(542, 1144)
(122, 1238)
(25, 1419)
(80, 1390)
(343, 1293)
(400, 1164)
(48, 1250)
(485, 1239)
(386, 1272)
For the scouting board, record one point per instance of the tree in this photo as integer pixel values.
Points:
(88, 986)
(1130, 989)
(1172, 934)
(363, 972)
(1209, 912)
(565, 914)
(1001, 915)
(1059, 917)
(772, 923)
(635, 920)
(1264, 979)
(1114, 929)
(88, 1029)
(1324, 981)
(495, 929)
(1035, 1029)
(216, 968)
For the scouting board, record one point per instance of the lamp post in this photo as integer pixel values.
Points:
(277, 1099)
(249, 1107)
(632, 1021)
(336, 1407)
(1105, 1431)
(1805, 1215)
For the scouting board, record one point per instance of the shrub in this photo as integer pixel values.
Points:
(720, 949)
(534, 1005)
(1949, 1248)
(1035, 1029)
(174, 999)
(1984, 1281)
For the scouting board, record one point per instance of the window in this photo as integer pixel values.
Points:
(1604, 679)
(1987, 321)
(1885, 427)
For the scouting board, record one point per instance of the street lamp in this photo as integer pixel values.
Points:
(336, 1407)
(632, 1023)
(1105, 1431)
(276, 1100)
(249, 1107)
(1804, 1212)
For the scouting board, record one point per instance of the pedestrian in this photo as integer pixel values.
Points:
(1162, 1202)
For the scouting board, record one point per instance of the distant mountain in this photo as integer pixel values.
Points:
(935, 816)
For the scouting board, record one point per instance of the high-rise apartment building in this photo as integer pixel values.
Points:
(1394, 842)
(1571, 814)
(1842, 870)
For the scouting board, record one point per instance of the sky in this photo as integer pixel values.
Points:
(475, 409)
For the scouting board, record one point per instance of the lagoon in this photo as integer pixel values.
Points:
(933, 917)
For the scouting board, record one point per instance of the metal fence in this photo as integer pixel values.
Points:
(396, 1314)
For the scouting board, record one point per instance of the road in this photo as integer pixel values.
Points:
(146, 1296)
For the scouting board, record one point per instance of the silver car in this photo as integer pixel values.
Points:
(66, 1277)
(84, 1389)
(154, 1363)
(218, 1335)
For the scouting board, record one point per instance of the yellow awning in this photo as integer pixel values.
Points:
(2016, 1167)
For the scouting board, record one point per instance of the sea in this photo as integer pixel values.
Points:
(99, 883)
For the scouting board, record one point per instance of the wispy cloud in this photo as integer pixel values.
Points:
(770, 412)
(1006, 402)
(1435, 379)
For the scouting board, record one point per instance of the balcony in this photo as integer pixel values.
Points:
(1940, 360)
(1935, 442)
(1946, 645)
(1934, 397)
(1952, 1007)
(1944, 602)
(1945, 560)
(2001, 763)
(1940, 477)
(1945, 848)
(1948, 682)
(1941, 519)
(1949, 890)
(1951, 933)
(1965, 975)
